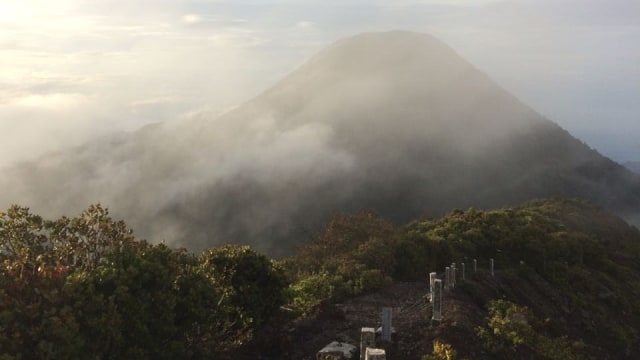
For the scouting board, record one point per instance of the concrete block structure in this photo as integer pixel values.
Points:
(375, 354)
(337, 351)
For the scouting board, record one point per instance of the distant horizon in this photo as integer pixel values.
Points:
(75, 70)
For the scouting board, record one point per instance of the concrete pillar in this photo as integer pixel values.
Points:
(463, 272)
(437, 300)
(367, 340)
(386, 323)
(475, 265)
(453, 275)
(447, 277)
(432, 277)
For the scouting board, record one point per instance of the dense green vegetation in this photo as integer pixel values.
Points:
(512, 328)
(582, 262)
(84, 287)
(80, 288)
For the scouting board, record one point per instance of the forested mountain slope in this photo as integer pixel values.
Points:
(566, 283)
(567, 277)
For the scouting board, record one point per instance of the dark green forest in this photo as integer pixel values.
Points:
(86, 288)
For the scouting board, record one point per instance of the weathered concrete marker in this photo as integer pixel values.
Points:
(432, 278)
(447, 278)
(463, 272)
(437, 301)
(475, 265)
(386, 323)
(367, 340)
(453, 275)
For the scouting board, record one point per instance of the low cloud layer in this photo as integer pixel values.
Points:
(75, 70)
(394, 121)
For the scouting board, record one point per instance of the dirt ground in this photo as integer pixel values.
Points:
(413, 335)
(464, 310)
(414, 332)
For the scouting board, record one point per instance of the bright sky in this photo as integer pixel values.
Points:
(74, 69)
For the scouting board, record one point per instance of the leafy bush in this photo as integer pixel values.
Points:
(441, 351)
(508, 327)
(511, 328)
(310, 292)
(83, 287)
(247, 280)
(131, 305)
(353, 256)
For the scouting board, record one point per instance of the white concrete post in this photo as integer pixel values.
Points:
(437, 300)
(367, 340)
(432, 277)
(453, 275)
(447, 277)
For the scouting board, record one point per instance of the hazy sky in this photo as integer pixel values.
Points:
(74, 69)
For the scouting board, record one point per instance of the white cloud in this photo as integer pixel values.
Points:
(304, 24)
(191, 19)
(25, 10)
(109, 65)
(155, 101)
(51, 101)
(236, 37)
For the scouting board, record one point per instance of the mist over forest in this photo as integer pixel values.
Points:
(395, 122)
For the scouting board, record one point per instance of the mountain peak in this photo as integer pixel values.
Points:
(383, 55)
(393, 49)
(407, 85)
(396, 122)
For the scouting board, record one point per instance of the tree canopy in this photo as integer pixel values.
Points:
(84, 287)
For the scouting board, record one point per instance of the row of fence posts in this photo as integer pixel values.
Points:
(368, 349)
(437, 286)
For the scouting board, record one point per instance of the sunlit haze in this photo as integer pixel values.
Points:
(72, 70)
